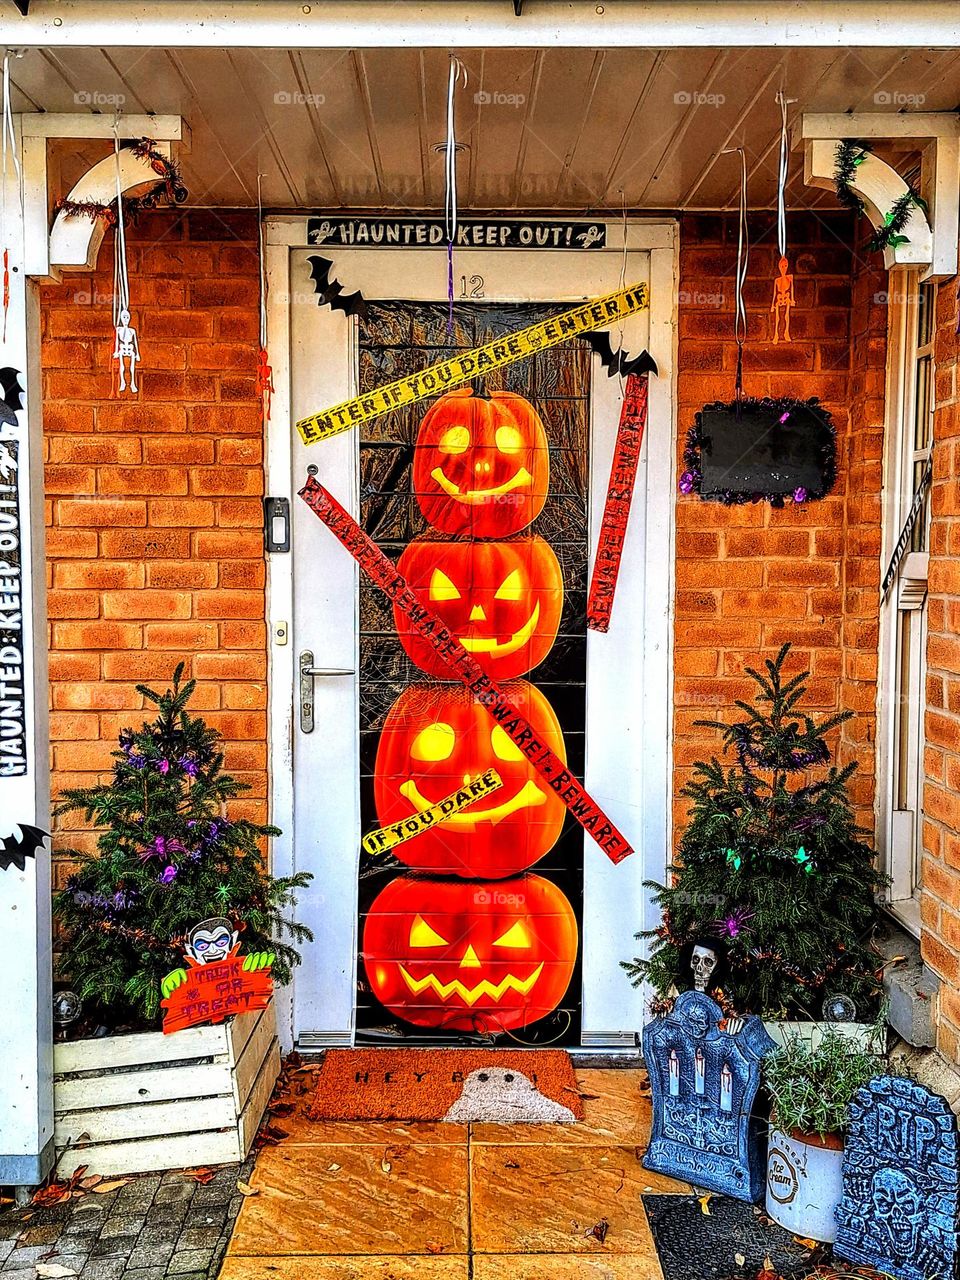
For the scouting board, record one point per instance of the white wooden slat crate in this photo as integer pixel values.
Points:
(136, 1103)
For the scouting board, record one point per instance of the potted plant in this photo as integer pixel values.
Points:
(772, 875)
(169, 856)
(810, 1090)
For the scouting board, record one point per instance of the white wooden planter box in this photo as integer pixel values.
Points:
(812, 1033)
(135, 1103)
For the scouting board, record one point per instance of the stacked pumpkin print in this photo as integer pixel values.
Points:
(470, 939)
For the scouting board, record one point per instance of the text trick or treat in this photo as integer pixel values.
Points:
(481, 464)
(465, 955)
(502, 600)
(436, 738)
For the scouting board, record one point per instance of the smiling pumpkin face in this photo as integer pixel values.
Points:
(502, 600)
(434, 739)
(468, 956)
(481, 466)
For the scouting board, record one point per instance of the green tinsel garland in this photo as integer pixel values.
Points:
(850, 154)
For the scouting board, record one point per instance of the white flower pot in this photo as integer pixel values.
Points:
(803, 1182)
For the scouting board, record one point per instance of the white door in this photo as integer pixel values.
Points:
(320, 776)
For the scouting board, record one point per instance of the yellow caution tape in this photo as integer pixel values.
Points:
(387, 837)
(451, 373)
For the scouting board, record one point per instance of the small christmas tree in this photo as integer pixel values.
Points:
(772, 872)
(168, 858)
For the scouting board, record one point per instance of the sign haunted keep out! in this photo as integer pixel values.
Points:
(430, 233)
(13, 758)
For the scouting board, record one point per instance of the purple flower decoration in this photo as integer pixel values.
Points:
(800, 494)
(164, 766)
(188, 766)
(137, 762)
(686, 482)
(169, 874)
(784, 417)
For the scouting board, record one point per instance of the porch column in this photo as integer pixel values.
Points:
(26, 1033)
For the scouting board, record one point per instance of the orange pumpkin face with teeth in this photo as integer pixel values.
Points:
(481, 466)
(435, 738)
(467, 956)
(502, 600)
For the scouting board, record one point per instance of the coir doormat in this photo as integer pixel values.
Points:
(498, 1086)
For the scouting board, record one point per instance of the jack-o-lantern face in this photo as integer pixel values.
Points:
(502, 600)
(467, 956)
(481, 466)
(434, 739)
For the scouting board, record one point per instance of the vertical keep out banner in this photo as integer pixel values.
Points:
(13, 757)
(616, 511)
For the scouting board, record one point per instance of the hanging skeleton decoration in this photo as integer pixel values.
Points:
(127, 350)
(783, 295)
(127, 346)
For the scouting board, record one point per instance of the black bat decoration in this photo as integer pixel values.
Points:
(330, 292)
(17, 851)
(10, 401)
(618, 362)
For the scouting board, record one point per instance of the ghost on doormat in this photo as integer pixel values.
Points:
(501, 1095)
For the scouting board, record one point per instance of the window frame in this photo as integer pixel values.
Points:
(903, 615)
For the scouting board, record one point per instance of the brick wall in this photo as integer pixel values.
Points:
(940, 905)
(751, 577)
(153, 504)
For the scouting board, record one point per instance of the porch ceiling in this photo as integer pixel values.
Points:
(589, 129)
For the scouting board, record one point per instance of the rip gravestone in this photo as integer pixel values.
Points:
(900, 1182)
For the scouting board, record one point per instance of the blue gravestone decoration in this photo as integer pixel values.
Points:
(900, 1180)
(704, 1084)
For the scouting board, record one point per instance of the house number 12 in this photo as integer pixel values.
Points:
(476, 286)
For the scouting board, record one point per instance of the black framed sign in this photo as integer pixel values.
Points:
(769, 449)
(430, 233)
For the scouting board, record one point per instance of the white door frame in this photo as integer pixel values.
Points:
(639, 755)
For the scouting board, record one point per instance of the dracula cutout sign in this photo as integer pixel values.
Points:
(430, 233)
(218, 981)
(13, 760)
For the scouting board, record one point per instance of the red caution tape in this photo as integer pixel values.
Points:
(383, 573)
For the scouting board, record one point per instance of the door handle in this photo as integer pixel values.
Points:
(307, 673)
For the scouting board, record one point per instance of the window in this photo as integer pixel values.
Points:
(904, 611)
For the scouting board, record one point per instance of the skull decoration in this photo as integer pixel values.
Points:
(898, 1210)
(702, 962)
(211, 940)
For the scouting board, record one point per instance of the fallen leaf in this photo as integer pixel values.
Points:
(53, 1269)
(739, 1259)
(807, 1244)
(201, 1176)
(385, 1165)
(102, 1188)
(282, 1109)
(598, 1230)
(334, 1168)
(245, 1189)
(89, 1183)
(705, 1204)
